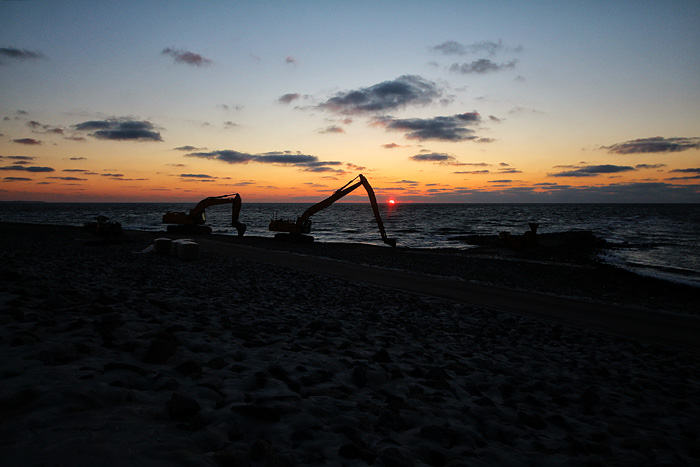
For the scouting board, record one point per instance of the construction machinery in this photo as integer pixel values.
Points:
(290, 230)
(193, 222)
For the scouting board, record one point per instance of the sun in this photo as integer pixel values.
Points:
(391, 201)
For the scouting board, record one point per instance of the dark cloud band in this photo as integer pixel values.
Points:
(388, 95)
(654, 144)
(594, 170)
(310, 163)
(450, 128)
(120, 129)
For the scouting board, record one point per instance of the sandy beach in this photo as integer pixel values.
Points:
(266, 353)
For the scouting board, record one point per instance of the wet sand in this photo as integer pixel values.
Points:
(260, 353)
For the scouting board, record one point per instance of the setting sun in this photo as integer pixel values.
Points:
(391, 201)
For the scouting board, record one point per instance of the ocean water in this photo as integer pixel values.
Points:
(660, 240)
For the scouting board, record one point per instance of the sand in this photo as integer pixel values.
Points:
(256, 355)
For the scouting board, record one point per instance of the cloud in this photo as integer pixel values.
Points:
(439, 158)
(19, 54)
(654, 144)
(311, 163)
(473, 172)
(649, 166)
(120, 129)
(69, 179)
(291, 60)
(196, 176)
(482, 66)
(17, 179)
(28, 169)
(687, 171)
(27, 141)
(393, 146)
(694, 170)
(388, 95)
(230, 124)
(593, 171)
(20, 159)
(451, 128)
(332, 129)
(41, 128)
(288, 98)
(228, 107)
(488, 47)
(186, 57)
(187, 148)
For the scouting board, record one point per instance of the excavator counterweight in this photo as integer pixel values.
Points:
(193, 221)
(303, 223)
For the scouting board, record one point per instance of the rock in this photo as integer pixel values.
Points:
(391, 421)
(355, 451)
(268, 414)
(359, 376)
(589, 398)
(395, 457)
(532, 420)
(216, 363)
(262, 449)
(159, 351)
(382, 356)
(438, 434)
(182, 407)
(189, 368)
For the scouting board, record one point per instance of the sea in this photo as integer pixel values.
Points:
(659, 240)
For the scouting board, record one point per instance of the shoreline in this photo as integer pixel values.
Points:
(114, 357)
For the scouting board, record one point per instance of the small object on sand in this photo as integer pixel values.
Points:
(162, 245)
(148, 249)
(185, 248)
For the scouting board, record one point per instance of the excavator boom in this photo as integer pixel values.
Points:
(303, 222)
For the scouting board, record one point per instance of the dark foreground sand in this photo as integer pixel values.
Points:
(111, 357)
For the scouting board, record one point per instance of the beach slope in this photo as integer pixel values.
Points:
(117, 357)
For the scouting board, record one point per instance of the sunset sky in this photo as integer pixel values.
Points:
(450, 101)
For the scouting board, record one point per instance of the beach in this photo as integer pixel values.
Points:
(267, 353)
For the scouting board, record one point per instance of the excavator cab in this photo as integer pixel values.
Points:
(289, 230)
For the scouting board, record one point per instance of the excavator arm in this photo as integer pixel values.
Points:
(303, 223)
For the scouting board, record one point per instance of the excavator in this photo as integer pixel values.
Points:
(290, 230)
(193, 222)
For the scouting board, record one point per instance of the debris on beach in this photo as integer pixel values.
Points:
(569, 246)
(183, 248)
(103, 227)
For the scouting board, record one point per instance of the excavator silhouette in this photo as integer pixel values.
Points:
(293, 230)
(193, 221)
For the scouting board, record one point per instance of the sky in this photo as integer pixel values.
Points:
(450, 101)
